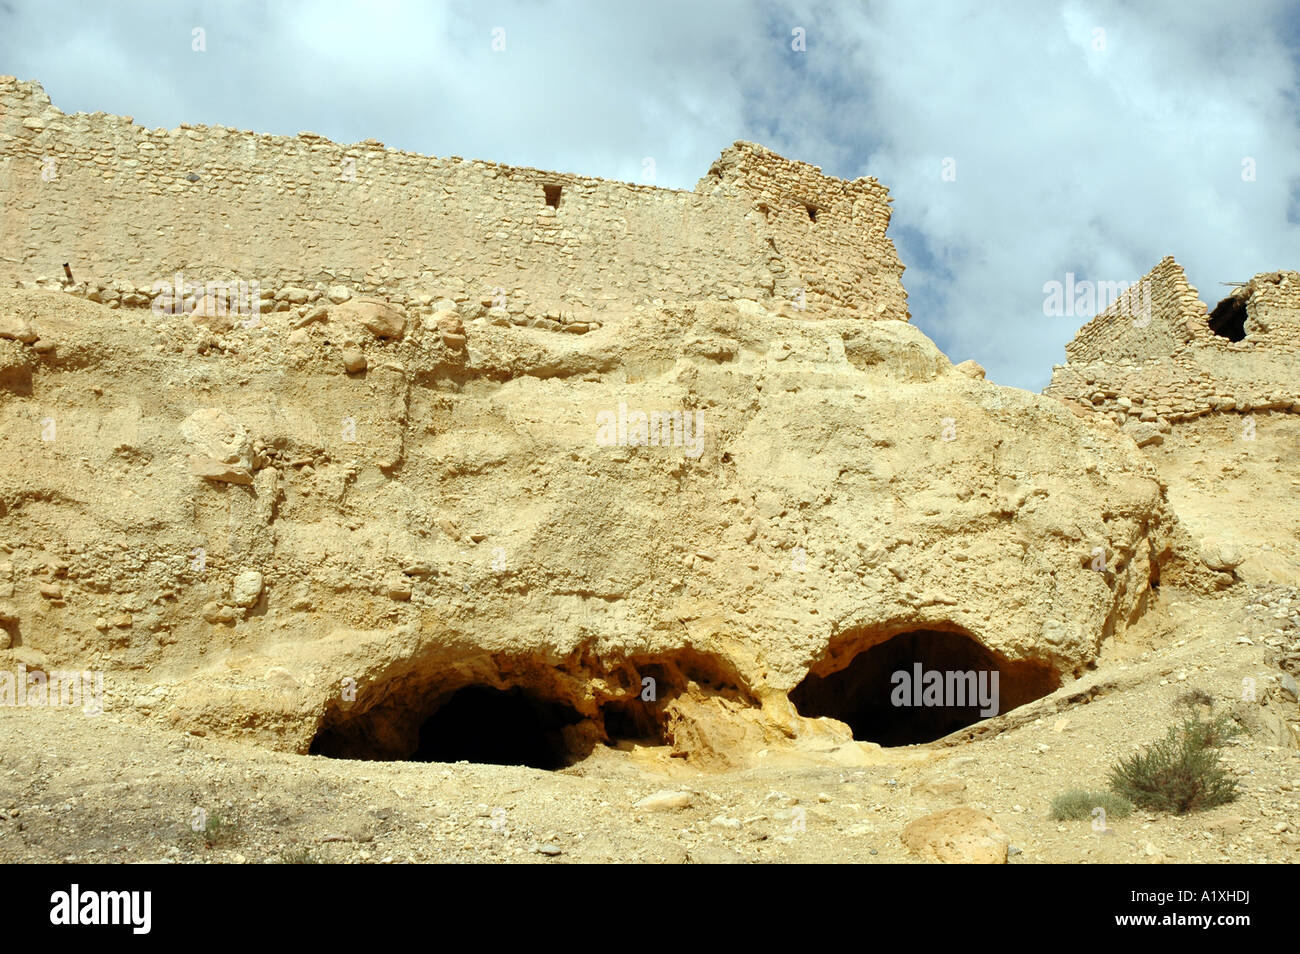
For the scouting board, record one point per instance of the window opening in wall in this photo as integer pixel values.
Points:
(552, 193)
(1228, 320)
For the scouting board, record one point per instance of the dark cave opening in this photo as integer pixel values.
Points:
(496, 727)
(1228, 320)
(920, 686)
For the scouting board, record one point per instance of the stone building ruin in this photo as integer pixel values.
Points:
(1146, 369)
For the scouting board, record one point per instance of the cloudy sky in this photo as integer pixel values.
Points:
(1084, 137)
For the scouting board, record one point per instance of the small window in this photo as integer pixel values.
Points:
(552, 195)
(812, 212)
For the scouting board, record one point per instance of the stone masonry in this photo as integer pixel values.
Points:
(1154, 357)
(127, 206)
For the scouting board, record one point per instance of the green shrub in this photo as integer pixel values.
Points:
(1180, 773)
(217, 829)
(1077, 804)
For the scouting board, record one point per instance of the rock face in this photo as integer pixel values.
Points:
(717, 497)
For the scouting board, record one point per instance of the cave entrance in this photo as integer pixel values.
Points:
(1228, 320)
(919, 686)
(521, 710)
(497, 727)
(472, 723)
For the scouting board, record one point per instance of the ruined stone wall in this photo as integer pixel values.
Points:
(826, 237)
(1174, 367)
(1152, 319)
(129, 206)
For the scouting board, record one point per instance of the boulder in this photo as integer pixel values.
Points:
(961, 835)
(1144, 432)
(1219, 554)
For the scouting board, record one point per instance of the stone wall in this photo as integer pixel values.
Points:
(1167, 364)
(1152, 319)
(127, 206)
(826, 237)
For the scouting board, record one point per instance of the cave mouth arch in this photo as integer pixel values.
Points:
(525, 710)
(917, 685)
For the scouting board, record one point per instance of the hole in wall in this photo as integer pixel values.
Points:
(812, 212)
(552, 194)
(1228, 320)
(945, 683)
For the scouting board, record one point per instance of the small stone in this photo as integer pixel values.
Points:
(1220, 554)
(51, 591)
(248, 588)
(664, 801)
(1289, 685)
(354, 362)
(211, 469)
(317, 313)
